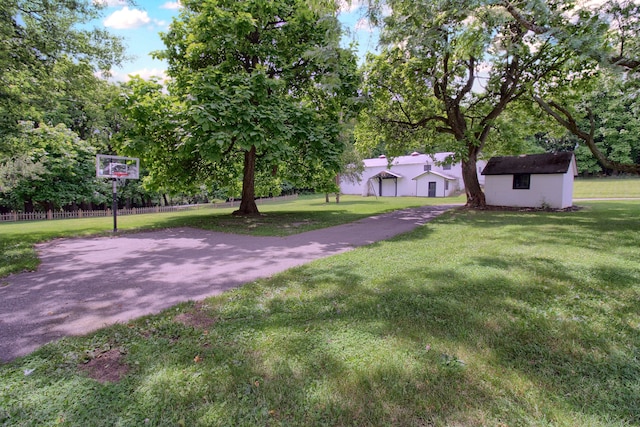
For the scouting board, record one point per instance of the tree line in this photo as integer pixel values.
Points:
(264, 98)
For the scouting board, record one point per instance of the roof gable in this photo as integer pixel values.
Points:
(441, 175)
(386, 174)
(547, 163)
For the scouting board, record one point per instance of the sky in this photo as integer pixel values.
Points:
(140, 26)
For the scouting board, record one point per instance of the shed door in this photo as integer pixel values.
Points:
(432, 189)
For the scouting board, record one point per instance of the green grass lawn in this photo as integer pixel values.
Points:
(477, 318)
(606, 188)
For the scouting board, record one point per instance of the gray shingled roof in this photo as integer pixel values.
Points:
(546, 163)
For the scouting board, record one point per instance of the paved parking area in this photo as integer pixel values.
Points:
(85, 284)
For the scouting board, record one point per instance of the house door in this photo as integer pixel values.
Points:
(432, 189)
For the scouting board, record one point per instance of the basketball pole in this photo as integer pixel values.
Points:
(114, 205)
(116, 167)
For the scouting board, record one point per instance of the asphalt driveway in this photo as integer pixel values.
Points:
(85, 284)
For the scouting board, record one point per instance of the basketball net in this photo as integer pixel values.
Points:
(121, 178)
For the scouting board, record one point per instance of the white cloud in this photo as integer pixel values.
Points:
(126, 18)
(171, 5)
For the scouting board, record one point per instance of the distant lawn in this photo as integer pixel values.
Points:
(477, 318)
(279, 219)
(585, 188)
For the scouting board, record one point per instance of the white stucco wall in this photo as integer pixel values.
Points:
(552, 190)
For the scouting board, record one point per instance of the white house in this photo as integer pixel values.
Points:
(418, 175)
(533, 180)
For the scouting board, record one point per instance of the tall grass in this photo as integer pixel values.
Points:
(477, 318)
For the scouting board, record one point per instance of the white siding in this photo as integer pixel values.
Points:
(347, 187)
(552, 190)
(567, 185)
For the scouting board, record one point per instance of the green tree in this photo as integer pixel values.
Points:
(611, 116)
(153, 132)
(56, 170)
(601, 74)
(38, 35)
(263, 86)
(82, 102)
(449, 71)
(454, 69)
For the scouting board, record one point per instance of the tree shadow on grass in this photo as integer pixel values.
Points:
(564, 354)
(327, 348)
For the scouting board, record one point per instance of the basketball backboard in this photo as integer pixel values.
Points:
(108, 166)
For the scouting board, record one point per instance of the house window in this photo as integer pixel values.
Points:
(446, 167)
(427, 168)
(521, 181)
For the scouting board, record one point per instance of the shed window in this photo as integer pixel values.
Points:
(521, 181)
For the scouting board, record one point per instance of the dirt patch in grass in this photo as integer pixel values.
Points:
(106, 367)
(196, 318)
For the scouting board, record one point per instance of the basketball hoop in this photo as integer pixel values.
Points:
(118, 169)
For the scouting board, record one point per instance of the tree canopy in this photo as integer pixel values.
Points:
(450, 71)
(594, 99)
(257, 88)
(39, 39)
(53, 108)
(51, 171)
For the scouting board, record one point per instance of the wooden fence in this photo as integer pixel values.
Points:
(50, 215)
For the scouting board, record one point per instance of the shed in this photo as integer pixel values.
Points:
(531, 180)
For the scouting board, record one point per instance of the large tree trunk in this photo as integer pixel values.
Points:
(248, 204)
(475, 195)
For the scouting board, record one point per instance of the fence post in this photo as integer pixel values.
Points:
(49, 214)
